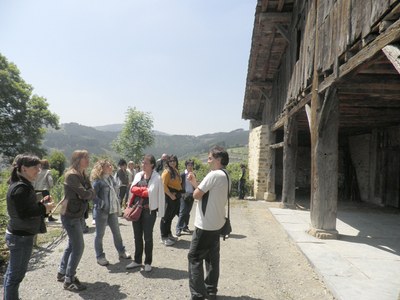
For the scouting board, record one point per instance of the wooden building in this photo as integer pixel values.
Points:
(323, 99)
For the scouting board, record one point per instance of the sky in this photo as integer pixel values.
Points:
(182, 61)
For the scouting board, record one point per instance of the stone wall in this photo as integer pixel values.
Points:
(260, 164)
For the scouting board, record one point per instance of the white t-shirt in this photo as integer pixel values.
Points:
(216, 183)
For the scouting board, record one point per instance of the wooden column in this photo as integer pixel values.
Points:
(289, 163)
(324, 164)
(270, 195)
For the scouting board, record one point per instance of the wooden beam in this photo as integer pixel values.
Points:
(275, 17)
(277, 145)
(391, 35)
(283, 32)
(392, 52)
(281, 122)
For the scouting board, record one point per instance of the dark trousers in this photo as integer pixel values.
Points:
(242, 187)
(186, 204)
(143, 229)
(171, 210)
(123, 191)
(204, 246)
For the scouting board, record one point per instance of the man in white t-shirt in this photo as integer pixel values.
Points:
(210, 217)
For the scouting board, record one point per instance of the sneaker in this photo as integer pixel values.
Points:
(178, 233)
(168, 242)
(74, 286)
(102, 261)
(172, 238)
(86, 229)
(147, 268)
(133, 265)
(211, 296)
(60, 277)
(187, 230)
(94, 222)
(52, 219)
(125, 255)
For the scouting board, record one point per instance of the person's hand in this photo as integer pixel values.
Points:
(49, 204)
(192, 179)
(173, 196)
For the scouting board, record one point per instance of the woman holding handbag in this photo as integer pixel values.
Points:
(147, 188)
(106, 210)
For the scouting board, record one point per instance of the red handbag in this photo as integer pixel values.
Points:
(133, 213)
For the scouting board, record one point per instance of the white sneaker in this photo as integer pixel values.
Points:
(147, 268)
(125, 255)
(102, 261)
(94, 222)
(168, 242)
(133, 265)
(172, 238)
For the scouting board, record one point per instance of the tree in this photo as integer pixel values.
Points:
(57, 161)
(136, 135)
(23, 116)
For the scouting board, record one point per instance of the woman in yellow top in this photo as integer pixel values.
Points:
(173, 190)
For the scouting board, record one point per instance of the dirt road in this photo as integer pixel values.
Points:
(258, 261)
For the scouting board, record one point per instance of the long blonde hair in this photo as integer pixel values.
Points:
(97, 171)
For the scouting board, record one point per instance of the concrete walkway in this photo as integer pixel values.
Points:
(364, 263)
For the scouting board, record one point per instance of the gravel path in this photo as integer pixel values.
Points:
(258, 261)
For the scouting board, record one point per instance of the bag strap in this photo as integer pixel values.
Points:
(227, 177)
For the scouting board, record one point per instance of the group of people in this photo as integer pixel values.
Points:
(165, 195)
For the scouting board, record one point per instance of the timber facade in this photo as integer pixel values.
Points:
(323, 99)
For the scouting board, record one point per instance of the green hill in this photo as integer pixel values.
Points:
(98, 140)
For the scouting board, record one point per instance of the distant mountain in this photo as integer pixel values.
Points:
(97, 140)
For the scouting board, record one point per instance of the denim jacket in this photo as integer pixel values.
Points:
(103, 194)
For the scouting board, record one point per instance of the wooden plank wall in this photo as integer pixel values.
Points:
(341, 24)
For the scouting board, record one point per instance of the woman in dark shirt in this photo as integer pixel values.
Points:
(26, 219)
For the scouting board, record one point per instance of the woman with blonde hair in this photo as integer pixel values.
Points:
(106, 210)
(77, 192)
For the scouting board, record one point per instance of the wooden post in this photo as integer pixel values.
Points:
(324, 166)
(324, 154)
(270, 195)
(289, 164)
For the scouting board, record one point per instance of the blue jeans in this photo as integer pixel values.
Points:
(20, 252)
(73, 253)
(205, 246)
(143, 229)
(102, 220)
(184, 212)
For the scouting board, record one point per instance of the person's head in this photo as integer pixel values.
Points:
(189, 164)
(172, 161)
(131, 165)
(164, 156)
(218, 158)
(45, 164)
(100, 169)
(243, 166)
(27, 166)
(148, 163)
(80, 160)
(122, 163)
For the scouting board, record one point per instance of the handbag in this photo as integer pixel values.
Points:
(133, 213)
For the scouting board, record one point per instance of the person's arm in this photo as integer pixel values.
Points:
(73, 181)
(198, 194)
(166, 177)
(26, 209)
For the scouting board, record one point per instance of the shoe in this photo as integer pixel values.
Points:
(94, 222)
(133, 265)
(52, 219)
(172, 238)
(60, 277)
(211, 296)
(187, 230)
(86, 229)
(74, 286)
(147, 268)
(168, 242)
(125, 255)
(178, 233)
(102, 261)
